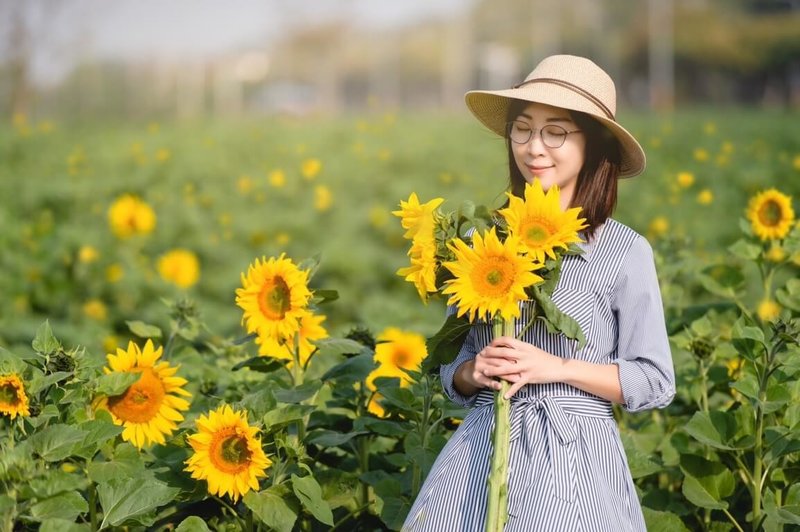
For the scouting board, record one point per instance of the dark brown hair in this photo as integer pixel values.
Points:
(596, 187)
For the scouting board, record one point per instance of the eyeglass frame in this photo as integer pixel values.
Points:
(534, 130)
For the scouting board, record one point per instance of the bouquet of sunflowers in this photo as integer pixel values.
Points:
(486, 264)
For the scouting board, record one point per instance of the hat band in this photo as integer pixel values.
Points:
(574, 88)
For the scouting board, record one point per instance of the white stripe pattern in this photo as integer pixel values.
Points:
(567, 466)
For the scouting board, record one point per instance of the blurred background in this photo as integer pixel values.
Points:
(82, 59)
(245, 129)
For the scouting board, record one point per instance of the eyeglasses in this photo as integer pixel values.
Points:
(553, 136)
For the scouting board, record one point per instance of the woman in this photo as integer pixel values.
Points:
(567, 466)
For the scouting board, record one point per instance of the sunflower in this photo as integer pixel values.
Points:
(768, 310)
(490, 277)
(422, 271)
(13, 400)
(771, 214)
(274, 297)
(396, 351)
(540, 223)
(416, 218)
(179, 266)
(311, 329)
(129, 215)
(150, 407)
(227, 453)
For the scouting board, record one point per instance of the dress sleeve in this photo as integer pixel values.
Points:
(646, 372)
(448, 371)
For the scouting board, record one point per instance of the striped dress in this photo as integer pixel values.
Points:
(567, 466)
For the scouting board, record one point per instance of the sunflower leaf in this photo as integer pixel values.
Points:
(193, 524)
(273, 508)
(124, 500)
(55, 442)
(115, 383)
(45, 341)
(262, 364)
(309, 492)
(143, 330)
(443, 347)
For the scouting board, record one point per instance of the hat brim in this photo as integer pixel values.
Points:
(491, 108)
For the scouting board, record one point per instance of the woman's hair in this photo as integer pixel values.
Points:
(596, 187)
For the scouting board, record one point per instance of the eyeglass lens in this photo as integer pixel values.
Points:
(552, 135)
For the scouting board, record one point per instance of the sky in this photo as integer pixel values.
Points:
(67, 31)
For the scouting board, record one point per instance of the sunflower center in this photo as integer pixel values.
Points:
(275, 298)
(494, 277)
(229, 452)
(400, 358)
(8, 394)
(535, 232)
(141, 401)
(770, 213)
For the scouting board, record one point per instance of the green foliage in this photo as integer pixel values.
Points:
(723, 455)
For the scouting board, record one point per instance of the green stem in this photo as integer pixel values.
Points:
(92, 493)
(248, 524)
(416, 481)
(497, 505)
(297, 380)
(757, 480)
(363, 461)
(703, 386)
(739, 528)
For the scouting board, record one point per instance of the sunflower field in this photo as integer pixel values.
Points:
(202, 326)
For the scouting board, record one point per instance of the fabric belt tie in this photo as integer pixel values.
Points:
(561, 432)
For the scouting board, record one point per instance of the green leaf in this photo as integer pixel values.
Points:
(45, 342)
(325, 296)
(722, 280)
(192, 524)
(745, 250)
(115, 383)
(332, 347)
(56, 442)
(272, 508)
(68, 505)
(40, 382)
(557, 321)
(443, 347)
(143, 330)
(702, 326)
(698, 495)
(747, 385)
(126, 463)
(384, 427)
(310, 494)
(282, 416)
(354, 369)
(63, 525)
(329, 438)
(713, 476)
(789, 296)
(715, 429)
(786, 514)
(98, 431)
(656, 521)
(262, 364)
(778, 396)
(126, 499)
(298, 394)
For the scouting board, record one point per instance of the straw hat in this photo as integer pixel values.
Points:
(569, 82)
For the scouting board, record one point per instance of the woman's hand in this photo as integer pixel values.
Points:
(519, 363)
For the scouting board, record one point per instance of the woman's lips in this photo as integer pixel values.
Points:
(538, 170)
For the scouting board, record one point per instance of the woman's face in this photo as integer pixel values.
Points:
(551, 166)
